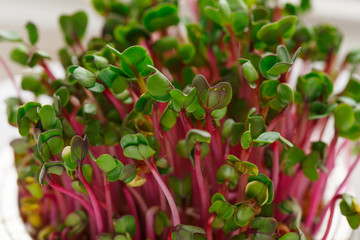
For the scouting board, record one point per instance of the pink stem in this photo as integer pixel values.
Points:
(133, 211)
(69, 193)
(93, 199)
(115, 102)
(341, 186)
(320, 185)
(150, 214)
(48, 71)
(109, 205)
(170, 199)
(275, 169)
(331, 216)
(202, 187)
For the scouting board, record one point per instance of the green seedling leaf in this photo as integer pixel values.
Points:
(182, 188)
(246, 139)
(83, 76)
(12, 105)
(50, 143)
(20, 54)
(344, 117)
(350, 208)
(128, 174)
(221, 15)
(309, 166)
(88, 172)
(9, 36)
(144, 104)
(34, 188)
(70, 165)
(239, 21)
(243, 167)
(47, 117)
(125, 224)
(212, 98)
(243, 215)
(260, 188)
(189, 232)
(264, 225)
(117, 173)
(134, 61)
(73, 27)
(158, 86)
(271, 33)
(106, 162)
(136, 146)
(314, 85)
(249, 72)
(290, 158)
(227, 173)
(32, 33)
(193, 136)
(55, 167)
(168, 119)
(290, 236)
(79, 148)
(161, 16)
(270, 137)
(161, 222)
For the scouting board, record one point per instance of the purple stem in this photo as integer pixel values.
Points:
(275, 170)
(69, 193)
(170, 199)
(93, 199)
(331, 216)
(341, 186)
(109, 208)
(115, 102)
(320, 185)
(202, 187)
(150, 214)
(133, 211)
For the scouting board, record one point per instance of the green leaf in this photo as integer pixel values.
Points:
(344, 117)
(260, 188)
(290, 158)
(73, 27)
(268, 91)
(243, 215)
(239, 21)
(83, 76)
(226, 172)
(125, 224)
(290, 236)
(160, 16)
(128, 174)
(246, 140)
(10, 36)
(159, 86)
(79, 148)
(20, 54)
(32, 33)
(55, 167)
(117, 173)
(264, 225)
(249, 72)
(282, 29)
(136, 146)
(168, 119)
(309, 166)
(47, 117)
(161, 222)
(106, 162)
(193, 136)
(189, 232)
(212, 98)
